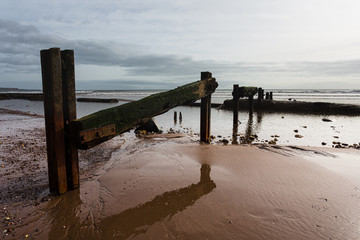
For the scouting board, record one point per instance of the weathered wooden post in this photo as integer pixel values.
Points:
(271, 95)
(260, 95)
(205, 113)
(251, 103)
(54, 120)
(236, 97)
(69, 109)
(175, 117)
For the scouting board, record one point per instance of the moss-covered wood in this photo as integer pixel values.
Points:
(247, 91)
(127, 116)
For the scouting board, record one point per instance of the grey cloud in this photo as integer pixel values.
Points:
(21, 45)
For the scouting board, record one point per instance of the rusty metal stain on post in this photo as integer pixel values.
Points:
(97, 133)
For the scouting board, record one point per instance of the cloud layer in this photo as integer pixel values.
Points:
(134, 66)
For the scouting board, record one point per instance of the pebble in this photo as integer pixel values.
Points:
(296, 130)
(326, 120)
(298, 136)
(272, 142)
(323, 143)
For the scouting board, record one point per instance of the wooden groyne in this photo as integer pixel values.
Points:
(300, 107)
(99, 100)
(65, 134)
(25, 96)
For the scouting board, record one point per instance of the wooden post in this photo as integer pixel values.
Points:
(69, 108)
(175, 117)
(54, 120)
(236, 96)
(259, 95)
(267, 95)
(271, 96)
(262, 94)
(205, 113)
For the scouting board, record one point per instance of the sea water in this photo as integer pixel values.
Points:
(310, 130)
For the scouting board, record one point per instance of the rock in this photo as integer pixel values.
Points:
(326, 120)
(335, 137)
(225, 141)
(148, 126)
(272, 142)
(296, 130)
(298, 136)
(323, 143)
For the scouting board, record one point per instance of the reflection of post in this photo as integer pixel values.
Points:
(236, 96)
(66, 213)
(205, 113)
(205, 173)
(251, 103)
(249, 127)
(134, 221)
(180, 118)
(175, 118)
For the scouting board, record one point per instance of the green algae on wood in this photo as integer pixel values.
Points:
(129, 115)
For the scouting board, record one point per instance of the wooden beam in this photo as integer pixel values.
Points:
(247, 91)
(54, 121)
(129, 115)
(69, 108)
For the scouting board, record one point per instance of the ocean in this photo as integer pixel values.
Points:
(310, 129)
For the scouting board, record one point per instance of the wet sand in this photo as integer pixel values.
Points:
(168, 187)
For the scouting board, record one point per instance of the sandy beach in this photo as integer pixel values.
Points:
(172, 187)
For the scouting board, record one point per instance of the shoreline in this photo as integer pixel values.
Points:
(272, 106)
(173, 187)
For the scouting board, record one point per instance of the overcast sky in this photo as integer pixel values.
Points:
(159, 44)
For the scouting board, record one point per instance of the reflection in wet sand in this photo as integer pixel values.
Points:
(128, 223)
(134, 221)
(249, 129)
